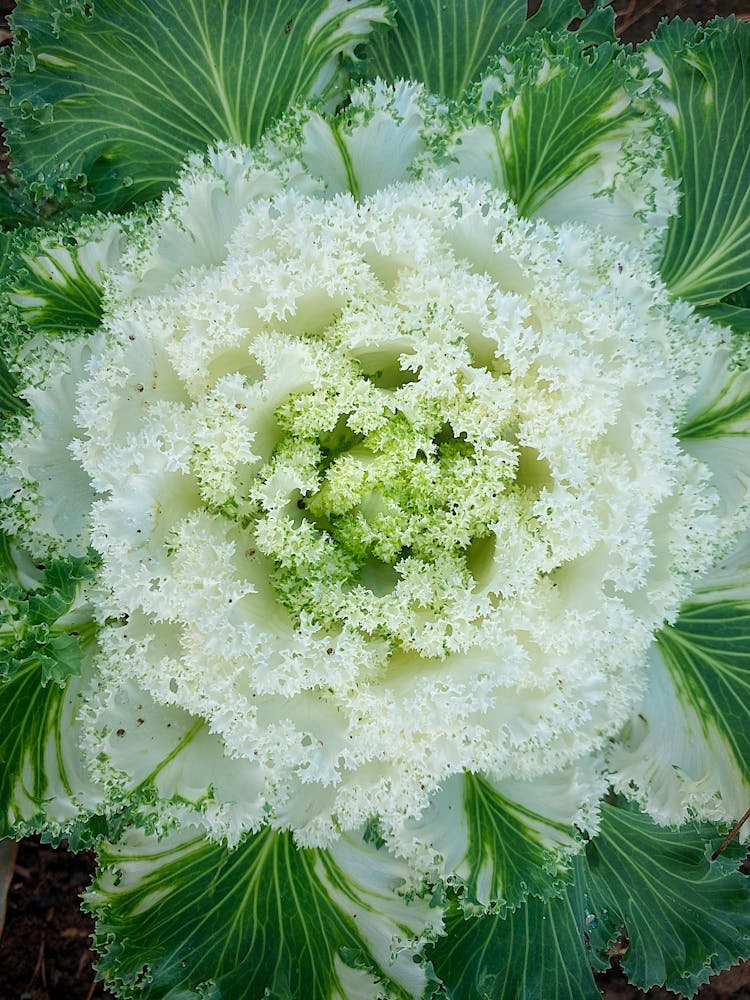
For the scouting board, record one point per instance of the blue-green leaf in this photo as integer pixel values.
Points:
(705, 90)
(184, 918)
(448, 45)
(684, 916)
(536, 951)
(114, 94)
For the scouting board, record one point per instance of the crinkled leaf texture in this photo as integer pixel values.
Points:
(705, 71)
(685, 917)
(115, 94)
(571, 134)
(182, 918)
(46, 649)
(699, 677)
(448, 45)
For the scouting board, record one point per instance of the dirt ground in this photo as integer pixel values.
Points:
(44, 951)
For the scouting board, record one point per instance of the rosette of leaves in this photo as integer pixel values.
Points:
(375, 491)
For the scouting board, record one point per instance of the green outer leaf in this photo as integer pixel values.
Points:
(7, 256)
(448, 45)
(535, 952)
(598, 25)
(42, 783)
(685, 917)
(15, 208)
(266, 916)
(507, 849)
(565, 110)
(58, 281)
(45, 636)
(706, 93)
(29, 718)
(707, 653)
(116, 93)
(71, 302)
(733, 311)
(726, 415)
(9, 402)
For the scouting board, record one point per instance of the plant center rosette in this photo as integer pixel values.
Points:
(393, 492)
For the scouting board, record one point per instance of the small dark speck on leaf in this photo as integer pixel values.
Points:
(120, 732)
(288, 26)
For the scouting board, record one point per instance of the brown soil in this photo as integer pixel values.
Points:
(44, 951)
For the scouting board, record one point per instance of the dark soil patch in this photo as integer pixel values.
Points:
(637, 19)
(44, 951)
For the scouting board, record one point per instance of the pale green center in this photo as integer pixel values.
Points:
(388, 512)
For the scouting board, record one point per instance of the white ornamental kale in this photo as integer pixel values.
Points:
(375, 508)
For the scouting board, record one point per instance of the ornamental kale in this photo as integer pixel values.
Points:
(374, 491)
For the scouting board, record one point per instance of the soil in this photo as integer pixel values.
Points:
(44, 950)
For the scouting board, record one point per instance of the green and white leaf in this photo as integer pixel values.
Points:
(114, 95)
(733, 311)
(684, 916)
(569, 134)
(502, 841)
(705, 91)
(377, 140)
(447, 46)
(181, 917)
(535, 951)
(58, 279)
(46, 650)
(163, 761)
(686, 750)
(716, 430)
(10, 404)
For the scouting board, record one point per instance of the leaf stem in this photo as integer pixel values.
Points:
(730, 836)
